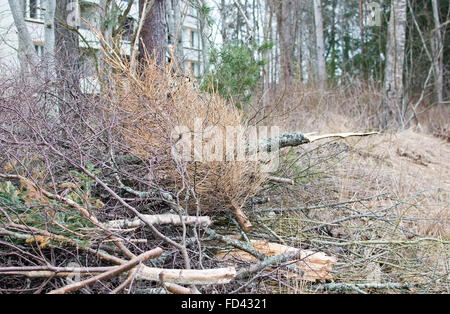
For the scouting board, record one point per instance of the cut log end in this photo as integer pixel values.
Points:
(241, 218)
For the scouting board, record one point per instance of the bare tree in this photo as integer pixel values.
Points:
(203, 12)
(286, 32)
(438, 53)
(175, 14)
(321, 68)
(154, 31)
(25, 40)
(67, 47)
(49, 30)
(393, 80)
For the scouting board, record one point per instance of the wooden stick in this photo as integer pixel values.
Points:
(242, 219)
(109, 274)
(281, 180)
(188, 276)
(166, 219)
(314, 138)
(236, 243)
(49, 271)
(177, 289)
(298, 138)
(128, 281)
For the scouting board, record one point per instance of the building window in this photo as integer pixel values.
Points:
(194, 39)
(34, 9)
(39, 50)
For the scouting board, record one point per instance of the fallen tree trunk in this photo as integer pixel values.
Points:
(298, 138)
(307, 265)
(187, 276)
(314, 138)
(109, 274)
(167, 219)
(241, 217)
(176, 289)
(50, 271)
(280, 180)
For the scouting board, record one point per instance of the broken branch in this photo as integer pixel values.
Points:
(109, 274)
(167, 219)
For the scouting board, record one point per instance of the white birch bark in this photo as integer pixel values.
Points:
(393, 80)
(49, 31)
(202, 20)
(49, 37)
(26, 43)
(321, 67)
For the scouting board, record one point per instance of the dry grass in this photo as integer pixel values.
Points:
(403, 164)
(401, 236)
(379, 204)
(151, 105)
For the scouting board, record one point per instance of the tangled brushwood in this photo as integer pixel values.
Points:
(95, 199)
(150, 106)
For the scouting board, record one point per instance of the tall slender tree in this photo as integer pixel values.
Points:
(394, 105)
(154, 31)
(67, 45)
(25, 40)
(286, 14)
(320, 46)
(438, 53)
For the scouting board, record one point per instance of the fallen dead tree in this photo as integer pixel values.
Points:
(109, 274)
(186, 276)
(299, 138)
(308, 265)
(158, 220)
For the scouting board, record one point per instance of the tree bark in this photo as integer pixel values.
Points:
(286, 32)
(166, 219)
(24, 35)
(49, 31)
(223, 20)
(67, 47)
(202, 19)
(438, 53)
(154, 32)
(321, 67)
(393, 80)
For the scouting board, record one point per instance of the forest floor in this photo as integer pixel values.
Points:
(380, 204)
(374, 211)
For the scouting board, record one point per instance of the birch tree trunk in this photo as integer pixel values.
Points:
(154, 34)
(286, 33)
(393, 79)
(67, 48)
(267, 33)
(49, 31)
(49, 37)
(174, 18)
(320, 47)
(26, 43)
(438, 53)
(202, 19)
(223, 21)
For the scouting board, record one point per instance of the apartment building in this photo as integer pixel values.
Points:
(34, 10)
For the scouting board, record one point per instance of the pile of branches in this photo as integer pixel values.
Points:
(94, 199)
